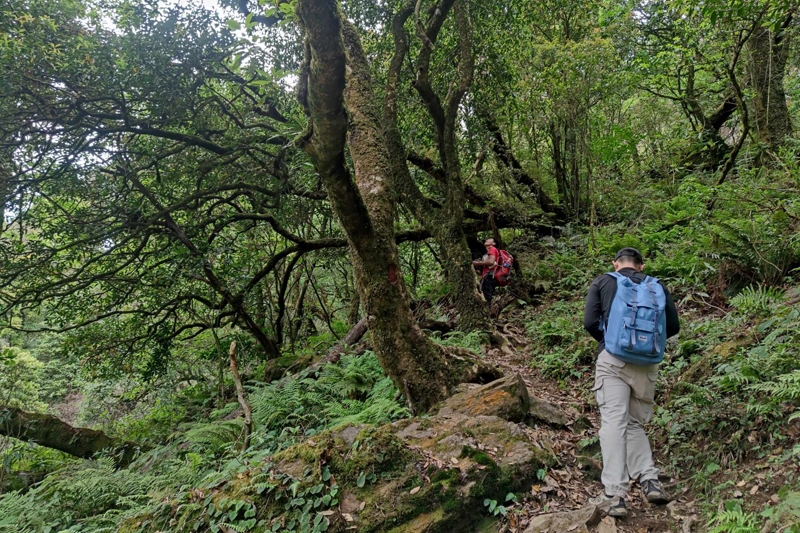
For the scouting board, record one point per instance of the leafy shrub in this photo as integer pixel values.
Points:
(19, 380)
(787, 511)
(561, 347)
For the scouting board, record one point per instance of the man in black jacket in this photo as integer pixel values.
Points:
(625, 394)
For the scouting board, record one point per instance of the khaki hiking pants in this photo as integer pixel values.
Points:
(624, 394)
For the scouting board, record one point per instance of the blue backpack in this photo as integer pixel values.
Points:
(636, 328)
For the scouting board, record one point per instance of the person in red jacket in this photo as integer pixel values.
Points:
(489, 264)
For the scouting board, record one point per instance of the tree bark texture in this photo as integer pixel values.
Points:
(767, 55)
(364, 206)
(567, 163)
(50, 432)
(444, 222)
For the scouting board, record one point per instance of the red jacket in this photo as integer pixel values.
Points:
(493, 252)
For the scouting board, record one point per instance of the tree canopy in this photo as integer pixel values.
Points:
(288, 174)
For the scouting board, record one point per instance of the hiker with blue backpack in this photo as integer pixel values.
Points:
(631, 315)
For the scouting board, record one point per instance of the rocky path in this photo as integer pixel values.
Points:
(564, 490)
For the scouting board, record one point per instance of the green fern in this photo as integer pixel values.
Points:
(355, 390)
(784, 388)
(214, 436)
(758, 300)
(91, 494)
(472, 341)
(762, 252)
(733, 521)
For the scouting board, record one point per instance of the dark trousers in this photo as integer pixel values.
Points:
(488, 285)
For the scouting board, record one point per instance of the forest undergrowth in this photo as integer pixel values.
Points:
(726, 428)
(200, 203)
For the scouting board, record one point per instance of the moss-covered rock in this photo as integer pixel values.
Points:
(506, 398)
(274, 369)
(420, 475)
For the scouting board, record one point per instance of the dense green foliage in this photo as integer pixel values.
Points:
(157, 205)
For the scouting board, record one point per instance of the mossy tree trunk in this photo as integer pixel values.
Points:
(709, 126)
(444, 222)
(336, 89)
(50, 432)
(768, 52)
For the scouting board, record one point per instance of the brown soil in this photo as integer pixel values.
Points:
(569, 485)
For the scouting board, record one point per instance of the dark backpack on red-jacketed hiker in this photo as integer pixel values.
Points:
(502, 271)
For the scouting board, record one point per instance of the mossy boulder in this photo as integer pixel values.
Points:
(419, 475)
(506, 398)
(274, 369)
(430, 474)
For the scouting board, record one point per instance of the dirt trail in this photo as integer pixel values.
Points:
(569, 485)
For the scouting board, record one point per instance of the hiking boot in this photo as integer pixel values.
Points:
(612, 505)
(654, 491)
(618, 508)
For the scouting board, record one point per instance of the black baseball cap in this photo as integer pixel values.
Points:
(630, 252)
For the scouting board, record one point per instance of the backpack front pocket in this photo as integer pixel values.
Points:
(640, 338)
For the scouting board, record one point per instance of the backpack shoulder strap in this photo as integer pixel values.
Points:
(616, 275)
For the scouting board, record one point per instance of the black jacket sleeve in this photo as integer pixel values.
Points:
(673, 323)
(600, 298)
(593, 312)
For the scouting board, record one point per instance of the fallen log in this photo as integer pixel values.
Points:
(335, 353)
(50, 432)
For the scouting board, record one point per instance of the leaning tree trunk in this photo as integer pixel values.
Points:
(50, 432)
(716, 152)
(768, 52)
(364, 208)
(445, 223)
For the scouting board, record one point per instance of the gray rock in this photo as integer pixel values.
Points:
(542, 411)
(573, 521)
